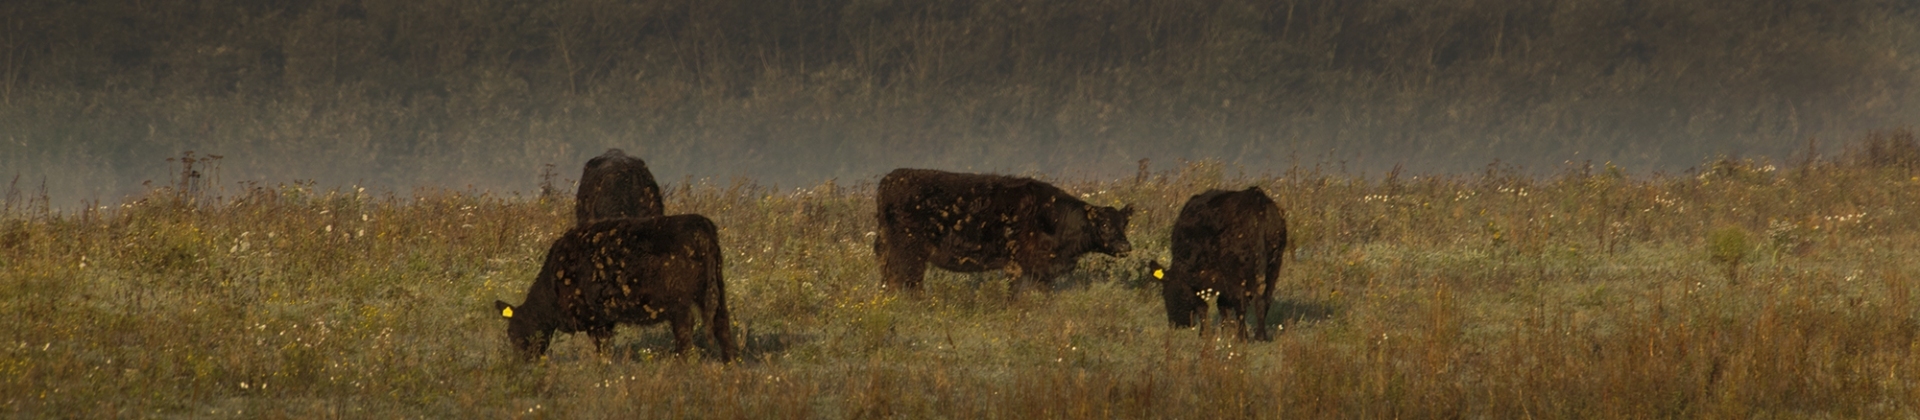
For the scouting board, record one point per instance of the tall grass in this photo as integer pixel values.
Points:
(1587, 293)
(451, 93)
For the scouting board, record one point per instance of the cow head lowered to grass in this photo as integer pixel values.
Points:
(1227, 247)
(975, 222)
(626, 271)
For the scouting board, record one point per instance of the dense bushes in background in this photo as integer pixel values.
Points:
(482, 93)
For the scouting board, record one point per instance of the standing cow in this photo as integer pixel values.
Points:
(972, 223)
(615, 185)
(1227, 246)
(626, 271)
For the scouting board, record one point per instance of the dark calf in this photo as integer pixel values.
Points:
(1227, 247)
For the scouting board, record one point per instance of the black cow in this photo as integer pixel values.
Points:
(972, 223)
(1227, 246)
(626, 271)
(615, 185)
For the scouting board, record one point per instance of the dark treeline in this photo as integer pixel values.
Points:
(94, 95)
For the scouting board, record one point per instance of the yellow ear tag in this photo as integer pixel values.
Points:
(1158, 274)
(506, 312)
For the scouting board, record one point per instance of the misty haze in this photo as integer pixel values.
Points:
(95, 96)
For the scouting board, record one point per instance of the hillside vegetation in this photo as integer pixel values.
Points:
(1753, 289)
(456, 93)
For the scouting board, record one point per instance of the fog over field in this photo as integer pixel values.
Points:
(95, 96)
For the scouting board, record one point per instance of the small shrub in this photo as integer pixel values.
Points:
(1728, 247)
(14, 234)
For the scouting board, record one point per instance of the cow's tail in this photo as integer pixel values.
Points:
(892, 188)
(1278, 243)
(719, 319)
(889, 187)
(1278, 246)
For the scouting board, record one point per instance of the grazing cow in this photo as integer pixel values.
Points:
(1227, 247)
(626, 271)
(615, 185)
(972, 223)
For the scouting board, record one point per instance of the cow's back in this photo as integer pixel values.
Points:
(1228, 232)
(965, 215)
(614, 185)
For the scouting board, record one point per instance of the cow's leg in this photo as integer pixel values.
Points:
(1257, 312)
(681, 321)
(1260, 301)
(1270, 279)
(1187, 317)
(1035, 265)
(1018, 285)
(1233, 314)
(1253, 317)
(602, 338)
(902, 266)
(1203, 319)
(1025, 278)
(721, 327)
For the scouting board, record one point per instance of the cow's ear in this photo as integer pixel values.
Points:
(506, 311)
(1128, 210)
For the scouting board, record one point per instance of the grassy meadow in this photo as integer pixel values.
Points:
(1749, 289)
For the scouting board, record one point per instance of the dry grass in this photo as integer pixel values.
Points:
(1583, 294)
